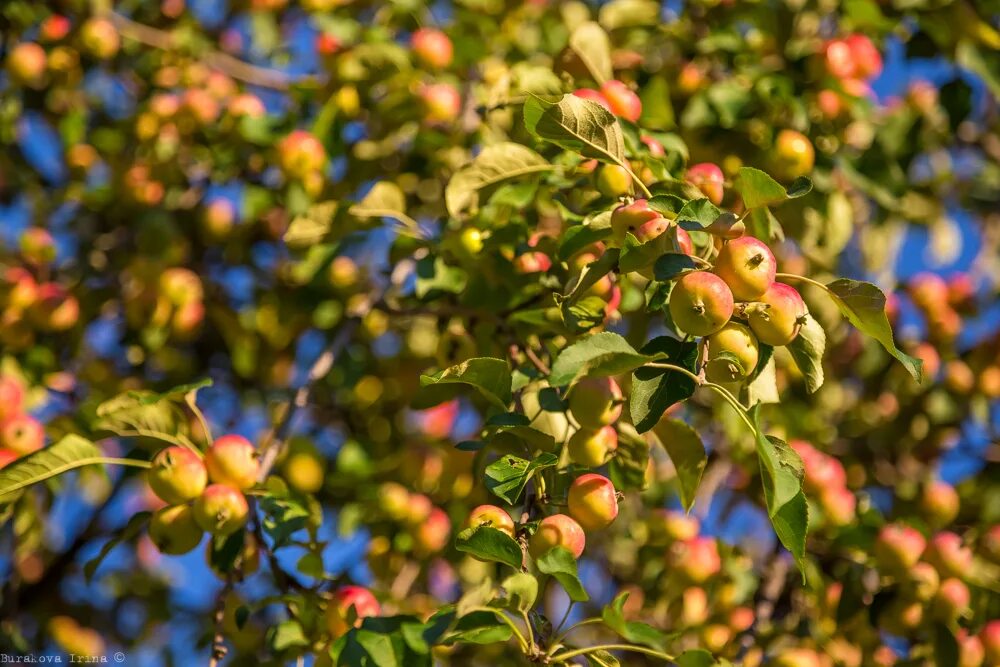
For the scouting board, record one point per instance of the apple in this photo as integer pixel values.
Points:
(246, 105)
(593, 96)
(794, 154)
(696, 559)
(432, 535)
(708, 178)
(394, 500)
(593, 501)
(177, 475)
(593, 447)
(867, 59)
(471, 240)
(218, 218)
(631, 217)
(26, 64)
(839, 505)
(54, 28)
(898, 547)
(348, 606)
(22, 291)
(622, 101)
(22, 434)
(221, 509)
(441, 102)
(100, 38)
(951, 600)
(923, 581)
(432, 47)
(557, 530)
(732, 339)
(11, 397)
(595, 402)
(946, 552)
(700, 303)
(7, 456)
(990, 636)
(232, 460)
(614, 181)
(940, 503)
(492, 516)
(672, 525)
(839, 58)
(748, 267)
(796, 657)
(779, 322)
(300, 154)
(174, 531)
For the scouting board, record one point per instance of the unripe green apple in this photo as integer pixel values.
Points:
(232, 460)
(174, 531)
(614, 181)
(794, 155)
(557, 530)
(593, 447)
(940, 503)
(492, 516)
(696, 559)
(593, 501)
(707, 177)
(595, 402)
(471, 240)
(348, 607)
(735, 339)
(701, 303)
(178, 475)
(556, 424)
(780, 321)
(221, 509)
(748, 267)
(898, 547)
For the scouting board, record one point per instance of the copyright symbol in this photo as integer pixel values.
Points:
(119, 657)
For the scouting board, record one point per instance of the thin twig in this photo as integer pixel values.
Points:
(219, 649)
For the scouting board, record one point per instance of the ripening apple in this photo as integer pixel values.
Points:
(631, 217)
(940, 503)
(327, 44)
(22, 433)
(796, 657)
(595, 402)
(867, 59)
(11, 397)
(923, 581)
(840, 62)
(593, 501)
(221, 509)
(347, 608)
(701, 303)
(839, 505)
(557, 530)
(174, 531)
(218, 218)
(442, 103)
(232, 460)
(794, 154)
(7, 456)
(951, 600)
(26, 64)
(394, 500)
(593, 447)
(898, 547)
(304, 470)
(780, 321)
(593, 96)
(748, 267)
(672, 525)
(54, 28)
(300, 154)
(614, 181)
(177, 475)
(100, 38)
(432, 534)
(246, 105)
(696, 559)
(432, 47)
(735, 339)
(990, 637)
(491, 516)
(707, 177)
(54, 308)
(946, 552)
(622, 100)
(22, 290)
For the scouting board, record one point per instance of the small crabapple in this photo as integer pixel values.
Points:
(593, 448)
(432, 47)
(557, 530)
(622, 100)
(232, 460)
(779, 322)
(707, 177)
(347, 608)
(221, 509)
(177, 475)
(492, 516)
(732, 339)
(593, 501)
(595, 402)
(701, 303)
(898, 547)
(748, 267)
(174, 531)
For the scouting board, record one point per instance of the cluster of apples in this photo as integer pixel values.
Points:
(428, 525)
(173, 302)
(302, 159)
(20, 433)
(852, 61)
(440, 100)
(30, 305)
(204, 493)
(29, 64)
(826, 480)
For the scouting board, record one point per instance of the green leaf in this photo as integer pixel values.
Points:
(384, 200)
(697, 657)
(627, 468)
(577, 125)
(863, 304)
(629, 13)
(490, 544)
(69, 453)
(791, 524)
(522, 590)
(578, 237)
(807, 350)
(507, 476)
(479, 627)
(434, 274)
(782, 469)
(131, 529)
(687, 452)
(287, 634)
(636, 255)
(633, 631)
(495, 164)
(591, 44)
(311, 227)
(378, 646)
(600, 355)
(700, 211)
(490, 376)
(584, 314)
(946, 649)
(673, 264)
(758, 189)
(656, 389)
(559, 562)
